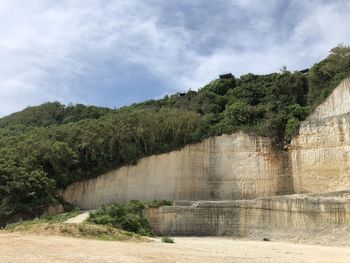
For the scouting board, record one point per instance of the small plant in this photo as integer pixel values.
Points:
(158, 203)
(168, 240)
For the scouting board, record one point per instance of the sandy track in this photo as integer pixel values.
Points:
(31, 248)
(79, 218)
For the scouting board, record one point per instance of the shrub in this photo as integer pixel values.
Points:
(135, 206)
(168, 240)
(128, 217)
(292, 128)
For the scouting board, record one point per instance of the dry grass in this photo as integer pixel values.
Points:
(42, 226)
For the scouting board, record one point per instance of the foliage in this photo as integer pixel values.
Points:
(325, 75)
(56, 226)
(48, 147)
(221, 86)
(44, 219)
(158, 203)
(128, 217)
(292, 128)
(168, 240)
(53, 113)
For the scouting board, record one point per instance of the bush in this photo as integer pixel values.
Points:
(128, 217)
(168, 240)
(292, 128)
(135, 206)
(221, 86)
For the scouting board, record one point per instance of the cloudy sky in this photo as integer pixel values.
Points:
(116, 52)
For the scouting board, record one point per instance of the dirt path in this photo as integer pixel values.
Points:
(79, 218)
(29, 248)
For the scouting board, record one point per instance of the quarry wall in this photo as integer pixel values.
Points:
(265, 217)
(237, 166)
(320, 155)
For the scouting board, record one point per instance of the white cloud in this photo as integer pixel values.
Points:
(45, 44)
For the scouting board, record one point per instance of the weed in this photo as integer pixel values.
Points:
(168, 240)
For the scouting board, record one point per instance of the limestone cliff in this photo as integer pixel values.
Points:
(236, 166)
(320, 155)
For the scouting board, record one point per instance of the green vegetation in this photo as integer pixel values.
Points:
(43, 219)
(56, 226)
(55, 113)
(327, 74)
(47, 147)
(158, 203)
(128, 216)
(168, 240)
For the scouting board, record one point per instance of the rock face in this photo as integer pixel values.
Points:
(265, 217)
(236, 166)
(320, 155)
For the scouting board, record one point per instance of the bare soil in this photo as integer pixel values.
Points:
(28, 248)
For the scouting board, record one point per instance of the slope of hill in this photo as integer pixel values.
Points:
(47, 147)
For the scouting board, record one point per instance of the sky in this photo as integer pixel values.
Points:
(117, 52)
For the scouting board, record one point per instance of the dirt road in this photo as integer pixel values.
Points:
(79, 218)
(31, 248)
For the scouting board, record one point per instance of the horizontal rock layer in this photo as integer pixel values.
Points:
(244, 218)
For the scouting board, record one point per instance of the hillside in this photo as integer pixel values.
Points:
(48, 147)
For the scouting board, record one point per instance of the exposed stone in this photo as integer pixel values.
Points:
(320, 155)
(245, 218)
(236, 166)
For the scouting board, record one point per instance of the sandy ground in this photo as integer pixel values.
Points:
(32, 248)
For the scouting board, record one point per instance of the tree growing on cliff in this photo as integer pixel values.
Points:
(325, 75)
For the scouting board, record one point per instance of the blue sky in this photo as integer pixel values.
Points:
(117, 52)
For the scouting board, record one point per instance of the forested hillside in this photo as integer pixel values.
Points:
(47, 147)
